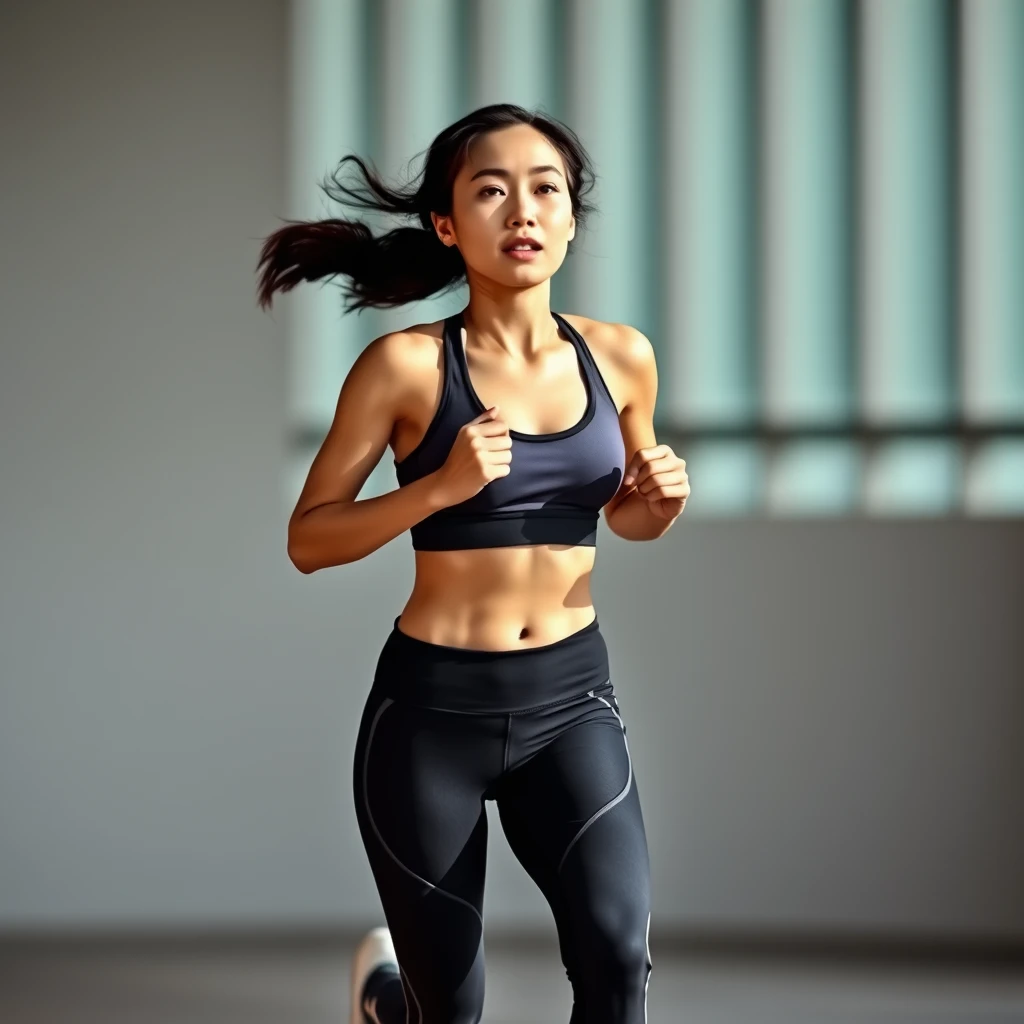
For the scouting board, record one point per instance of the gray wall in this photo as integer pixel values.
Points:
(826, 717)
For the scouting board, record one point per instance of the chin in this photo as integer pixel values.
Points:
(529, 280)
(525, 270)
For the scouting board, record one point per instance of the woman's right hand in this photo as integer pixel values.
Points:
(482, 452)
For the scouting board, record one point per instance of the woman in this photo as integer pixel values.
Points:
(510, 433)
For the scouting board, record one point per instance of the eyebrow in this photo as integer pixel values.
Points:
(500, 172)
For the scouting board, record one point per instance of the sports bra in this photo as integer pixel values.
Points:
(557, 482)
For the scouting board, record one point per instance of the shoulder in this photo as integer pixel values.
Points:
(402, 368)
(624, 348)
(626, 345)
(407, 345)
(406, 354)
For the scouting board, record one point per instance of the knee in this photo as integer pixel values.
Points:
(618, 957)
(627, 957)
(463, 1006)
(462, 1011)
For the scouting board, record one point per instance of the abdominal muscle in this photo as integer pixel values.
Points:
(500, 599)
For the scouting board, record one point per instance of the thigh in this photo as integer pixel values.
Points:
(572, 817)
(418, 782)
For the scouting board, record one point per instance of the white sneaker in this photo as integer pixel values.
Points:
(374, 949)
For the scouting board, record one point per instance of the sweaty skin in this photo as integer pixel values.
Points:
(500, 599)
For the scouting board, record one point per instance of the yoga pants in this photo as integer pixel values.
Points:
(540, 732)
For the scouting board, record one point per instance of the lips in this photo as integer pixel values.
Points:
(531, 242)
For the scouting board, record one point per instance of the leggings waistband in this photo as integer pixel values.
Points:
(490, 682)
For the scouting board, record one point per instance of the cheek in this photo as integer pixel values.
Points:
(478, 245)
(561, 217)
(477, 227)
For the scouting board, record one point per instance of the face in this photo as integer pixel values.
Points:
(512, 184)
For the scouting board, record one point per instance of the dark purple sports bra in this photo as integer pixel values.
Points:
(557, 482)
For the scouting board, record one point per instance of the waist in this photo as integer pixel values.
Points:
(494, 598)
(490, 682)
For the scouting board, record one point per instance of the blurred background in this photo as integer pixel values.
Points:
(815, 211)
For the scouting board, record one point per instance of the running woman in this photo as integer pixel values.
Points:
(512, 427)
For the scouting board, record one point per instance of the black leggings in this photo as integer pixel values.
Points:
(539, 731)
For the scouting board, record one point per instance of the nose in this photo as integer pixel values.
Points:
(520, 220)
(522, 211)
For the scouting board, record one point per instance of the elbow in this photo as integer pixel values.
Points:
(609, 521)
(295, 555)
(306, 551)
(302, 560)
(303, 567)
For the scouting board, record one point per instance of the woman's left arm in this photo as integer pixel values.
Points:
(655, 485)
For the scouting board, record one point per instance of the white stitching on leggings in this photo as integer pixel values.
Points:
(385, 703)
(611, 803)
(408, 985)
(650, 964)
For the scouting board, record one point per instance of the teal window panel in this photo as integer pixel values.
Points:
(995, 478)
(727, 476)
(907, 210)
(992, 330)
(815, 477)
(708, 203)
(806, 171)
(327, 98)
(914, 476)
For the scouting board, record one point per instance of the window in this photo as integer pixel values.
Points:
(814, 209)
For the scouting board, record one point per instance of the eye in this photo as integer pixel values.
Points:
(546, 184)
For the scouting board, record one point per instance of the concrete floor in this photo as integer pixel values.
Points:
(306, 982)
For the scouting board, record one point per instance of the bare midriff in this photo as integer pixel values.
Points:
(500, 599)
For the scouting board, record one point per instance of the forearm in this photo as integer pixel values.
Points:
(345, 531)
(632, 519)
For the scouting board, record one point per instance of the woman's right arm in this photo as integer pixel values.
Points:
(329, 526)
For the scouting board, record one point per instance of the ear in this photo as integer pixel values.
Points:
(443, 227)
(572, 229)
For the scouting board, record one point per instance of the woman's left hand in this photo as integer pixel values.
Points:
(661, 479)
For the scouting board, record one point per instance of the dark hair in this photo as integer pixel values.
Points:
(407, 263)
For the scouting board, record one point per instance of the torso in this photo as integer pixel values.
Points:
(503, 599)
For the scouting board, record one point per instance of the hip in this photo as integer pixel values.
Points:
(478, 681)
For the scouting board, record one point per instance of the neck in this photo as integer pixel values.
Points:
(520, 325)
